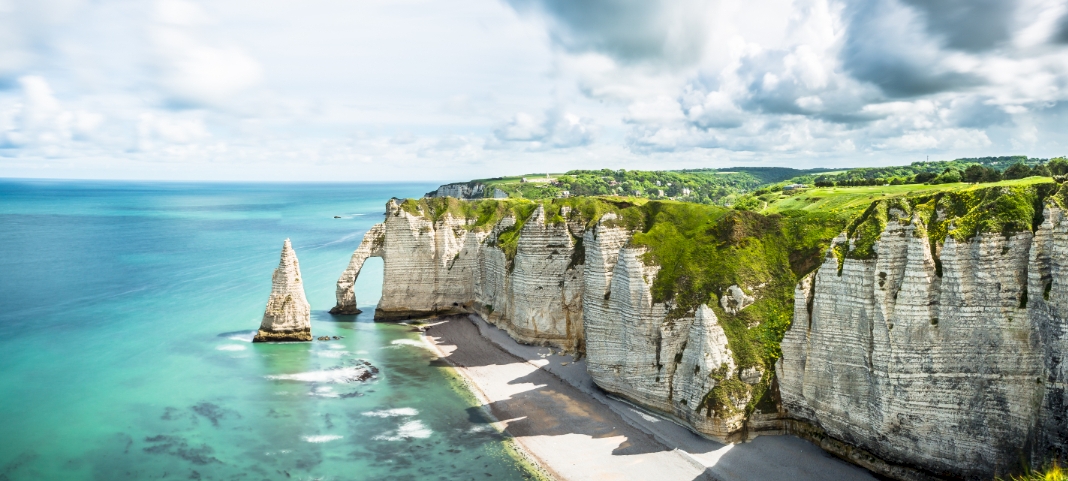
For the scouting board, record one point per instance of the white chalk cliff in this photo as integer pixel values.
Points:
(922, 361)
(288, 314)
(918, 373)
(576, 289)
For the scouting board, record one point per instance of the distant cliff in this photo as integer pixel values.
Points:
(924, 342)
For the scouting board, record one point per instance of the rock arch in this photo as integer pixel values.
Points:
(372, 246)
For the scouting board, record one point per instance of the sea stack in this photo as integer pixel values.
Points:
(288, 314)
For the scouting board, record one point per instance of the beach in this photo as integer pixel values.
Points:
(574, 431)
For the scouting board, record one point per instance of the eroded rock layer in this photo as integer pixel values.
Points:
(287, 317)
(947, 367)
(912, 352)
(578, 289)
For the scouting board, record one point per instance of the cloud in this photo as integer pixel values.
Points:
(155, 129)
(1060, 35)
(659, 31)
(39, 120)
(971, 25)
(886, 46)
(193, 72)
(557, 129)
(365, 90)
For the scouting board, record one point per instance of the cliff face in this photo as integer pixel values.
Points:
(951, 366)
(565, 286)
(462, 190)
(288, 315)
(928, 341)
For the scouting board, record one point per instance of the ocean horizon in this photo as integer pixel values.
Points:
(126, 327)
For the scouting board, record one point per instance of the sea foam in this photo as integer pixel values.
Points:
(410, 342)
(408, 430)
(389, 413)
(322, 438)
(339, 375)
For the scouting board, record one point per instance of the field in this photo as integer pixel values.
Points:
(853, 200)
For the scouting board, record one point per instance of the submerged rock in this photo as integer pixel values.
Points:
(288, 314)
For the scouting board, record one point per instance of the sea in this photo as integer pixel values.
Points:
(127, 311)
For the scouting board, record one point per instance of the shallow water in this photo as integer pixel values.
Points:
(125, 327)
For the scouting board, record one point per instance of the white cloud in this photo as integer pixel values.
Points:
(366, 90)
(556, 129)
(154, 129)
(192, 71)
(38, 119)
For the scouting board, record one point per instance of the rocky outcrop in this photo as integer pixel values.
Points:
(734, 299)
(537, 296)
(912, 356)
(371, 246)
(460, 190)
(578, 289)
(288, 314)
(934, 360)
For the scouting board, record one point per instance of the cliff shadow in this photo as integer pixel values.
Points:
(551, 407)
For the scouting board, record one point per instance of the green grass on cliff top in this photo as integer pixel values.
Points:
(854, 200)
(702, 250)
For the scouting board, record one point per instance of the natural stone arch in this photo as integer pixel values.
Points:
(372, 246)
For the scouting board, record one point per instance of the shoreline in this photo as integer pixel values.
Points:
(548, 404)
(539, 469)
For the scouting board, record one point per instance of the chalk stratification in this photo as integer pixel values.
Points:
(288, 314)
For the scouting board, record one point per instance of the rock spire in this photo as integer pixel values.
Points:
(288, 314)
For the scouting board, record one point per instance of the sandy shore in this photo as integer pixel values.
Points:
(574, 431)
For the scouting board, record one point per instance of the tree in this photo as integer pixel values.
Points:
(1017, 171)
(974, 173)
(991, 175)
(924, 177)
(1058, 166)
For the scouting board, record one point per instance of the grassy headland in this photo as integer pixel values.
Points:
(765, 249)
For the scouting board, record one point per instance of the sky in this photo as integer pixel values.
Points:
(394, 90)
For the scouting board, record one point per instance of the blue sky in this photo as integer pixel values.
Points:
(450, 90)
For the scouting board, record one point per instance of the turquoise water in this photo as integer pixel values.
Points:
(125, 320)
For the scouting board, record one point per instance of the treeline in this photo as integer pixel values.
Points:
(983, 169)
(705, 186)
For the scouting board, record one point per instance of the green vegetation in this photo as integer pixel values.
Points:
(756, 188)
(704, 186)
(854, 200)
(1051, 472)
(703, 250)
(771, 237)
(982, 169)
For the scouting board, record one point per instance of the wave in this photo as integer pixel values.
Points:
(230, 347)
(324, 391)
(336, 241)
(410, 342)
(332, 354)
(408, 430)
(322, 438)
(244, 336)
(389, 413)
(337, 375)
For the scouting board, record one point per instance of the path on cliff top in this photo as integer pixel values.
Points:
(551, 406)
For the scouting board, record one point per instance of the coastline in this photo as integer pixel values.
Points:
(556, 415)
(567, 434)
(513, 445)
